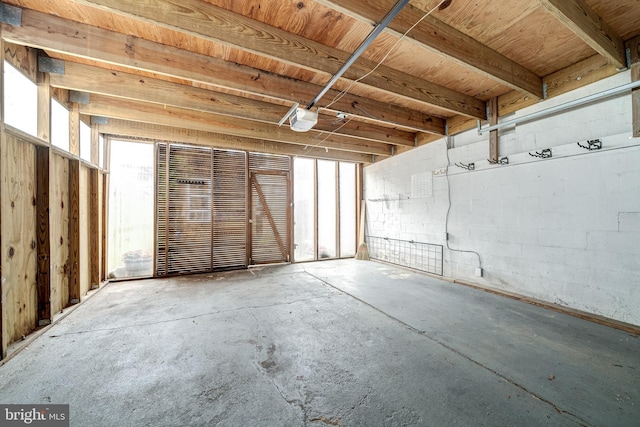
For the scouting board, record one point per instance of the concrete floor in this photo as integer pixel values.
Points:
(337, 343)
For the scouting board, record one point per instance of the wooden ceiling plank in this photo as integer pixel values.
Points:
(91, 79)
(441, 38)
(123, 128)
(61, 35)
(587, 25)
(204, 20)
(179, 117)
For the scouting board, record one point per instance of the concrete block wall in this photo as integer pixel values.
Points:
(564, 230)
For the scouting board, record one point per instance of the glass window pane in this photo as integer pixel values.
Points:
(304, 209)
(20, 100)
(59, 125)
(326, 209)
(85, 142)
(347, 209)
(131, 209)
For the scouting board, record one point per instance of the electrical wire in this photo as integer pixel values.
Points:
(340, 95)
(330, 134)
(446, 221)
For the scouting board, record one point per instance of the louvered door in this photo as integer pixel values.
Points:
(201, 208)
(187, 211)
(229, 209)
(270, 208)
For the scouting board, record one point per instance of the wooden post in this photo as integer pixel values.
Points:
(74, 129)
(74, 231)
(43, 235)
(94, 230)
(494, 151)
(3, 337)
(44, 107)
(95, 145)
(634, 48)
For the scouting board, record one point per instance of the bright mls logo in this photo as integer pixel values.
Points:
(34, 415)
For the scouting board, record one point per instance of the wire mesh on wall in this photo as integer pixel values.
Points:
(425, 257)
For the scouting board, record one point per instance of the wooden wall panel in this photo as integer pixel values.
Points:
(59, 226)
(18, 247)
(85, 258)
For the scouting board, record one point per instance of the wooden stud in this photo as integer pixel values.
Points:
(44, 107)
(74, 231)
(95, 145)
(94, 230)
(634, 50)
(493, 135)
(74, 129)
(3, 335)
(103, 228)
(43, 235)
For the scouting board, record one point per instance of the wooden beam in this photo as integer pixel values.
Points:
(61, 35)
(586, 24)
(86, 78)
(197, 120)
(634, 50)
(436, 36)
(122, 128)
(205, 20)
(43, 236)
(74, 231)
(493, 135)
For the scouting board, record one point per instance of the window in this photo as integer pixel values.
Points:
(59, 125)
(131, 209)
(348, 215)
(327, 221)
(324, 209)
(20, 100)
(304, 206)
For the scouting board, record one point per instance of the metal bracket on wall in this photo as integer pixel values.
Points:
(544, 154)
(10, 15)
(79, 97)
(99, 120)
(501, 161)
(469, 167)
(594, 144)
(50, 65)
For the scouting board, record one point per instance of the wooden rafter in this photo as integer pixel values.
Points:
(197, 120)
(587, 25)
(86, 78)
(56, 34)
(439, 37)
(204, 20)
(123, 128)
